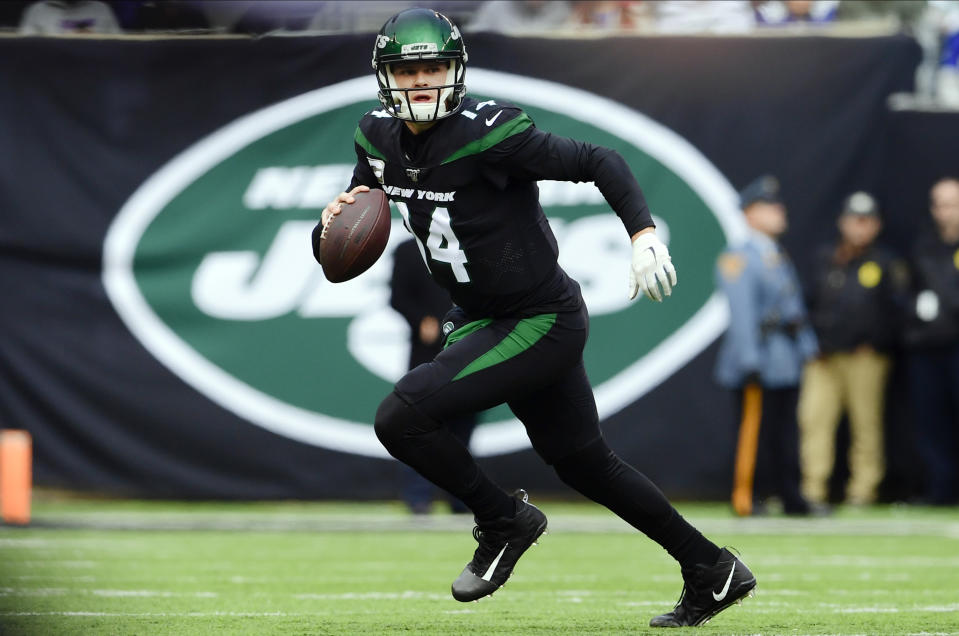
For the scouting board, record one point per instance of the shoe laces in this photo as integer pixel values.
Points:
(691, 581)
(490, 542)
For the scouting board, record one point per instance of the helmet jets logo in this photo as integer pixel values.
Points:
(244, 315)
(420, 47)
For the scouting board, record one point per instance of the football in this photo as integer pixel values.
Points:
(356, 237)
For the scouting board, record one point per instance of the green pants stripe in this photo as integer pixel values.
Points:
(524, 335)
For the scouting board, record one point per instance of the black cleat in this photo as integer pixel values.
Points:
(708, 590)
(501, 543)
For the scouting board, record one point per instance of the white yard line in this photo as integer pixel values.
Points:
(401, 522)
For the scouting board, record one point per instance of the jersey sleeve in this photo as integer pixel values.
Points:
(535, 155)
(363, 171)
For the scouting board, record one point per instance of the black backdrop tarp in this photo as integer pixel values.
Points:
(86, 121)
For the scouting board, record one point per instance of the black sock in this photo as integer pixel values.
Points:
(486, 500)
(598, 473)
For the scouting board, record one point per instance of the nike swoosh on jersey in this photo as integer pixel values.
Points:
(492, 566)
(489, 122)
(725, 590)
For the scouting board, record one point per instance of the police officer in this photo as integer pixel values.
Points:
(855, 300)
(762, 354)
(932, 337)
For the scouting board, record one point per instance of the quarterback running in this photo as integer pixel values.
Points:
(463, 174)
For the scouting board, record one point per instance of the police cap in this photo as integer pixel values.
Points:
(860, 204)
(765, 188)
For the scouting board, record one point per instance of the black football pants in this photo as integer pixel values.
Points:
(535, 366)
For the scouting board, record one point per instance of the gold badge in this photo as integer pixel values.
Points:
(870, 274)
(731, 265)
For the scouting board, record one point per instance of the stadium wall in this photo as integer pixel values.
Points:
(164, 330)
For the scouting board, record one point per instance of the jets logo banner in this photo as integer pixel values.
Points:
(204, 344)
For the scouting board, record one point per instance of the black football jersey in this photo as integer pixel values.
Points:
(466, 189)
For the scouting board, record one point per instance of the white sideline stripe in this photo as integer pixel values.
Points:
(319, 522)
(754, 609)
(167, 614)
(151, 593)
(62, 591)
(854, 561)
(371, 596)
(33, 591)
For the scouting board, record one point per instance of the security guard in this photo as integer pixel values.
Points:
(855, 303)
(762, 354)
(933, 340)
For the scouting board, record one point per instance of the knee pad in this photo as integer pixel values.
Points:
(397, 423)
(392, 419)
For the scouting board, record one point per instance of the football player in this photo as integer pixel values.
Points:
(463, 174)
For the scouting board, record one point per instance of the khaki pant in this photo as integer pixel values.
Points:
(854, 383)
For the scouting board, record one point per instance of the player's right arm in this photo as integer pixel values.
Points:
(363, 179)
(335, 206)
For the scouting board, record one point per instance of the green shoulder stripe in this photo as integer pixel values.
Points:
(493, 137)
(361, 139)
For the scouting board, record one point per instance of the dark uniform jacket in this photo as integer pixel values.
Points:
(415, 296)
(934, 307)
(858, 302)
(466, 189)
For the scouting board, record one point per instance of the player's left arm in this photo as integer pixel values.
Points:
(536, 155)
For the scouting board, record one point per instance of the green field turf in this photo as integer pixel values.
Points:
(100, 567)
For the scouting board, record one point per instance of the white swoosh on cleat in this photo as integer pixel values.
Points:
(729, 579)
(492, 566)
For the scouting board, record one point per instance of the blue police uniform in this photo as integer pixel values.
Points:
(762, 355)
(769, 333)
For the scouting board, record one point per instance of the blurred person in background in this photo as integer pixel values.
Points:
(793, 12)
(855, 303)
(614, 15)
(703, 16)
(423, 304)
(932, 338)
(68, 17)
(168, 16)
(947, 73)
(522, 323)
(762, 354)
(521, 16)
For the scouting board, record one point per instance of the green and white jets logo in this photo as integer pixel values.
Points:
(209, 264)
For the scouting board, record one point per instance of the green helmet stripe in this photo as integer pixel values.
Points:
(493, 137)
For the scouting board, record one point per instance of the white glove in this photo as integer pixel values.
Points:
(652, 267)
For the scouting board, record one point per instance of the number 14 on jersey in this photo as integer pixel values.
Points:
(442, 242)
